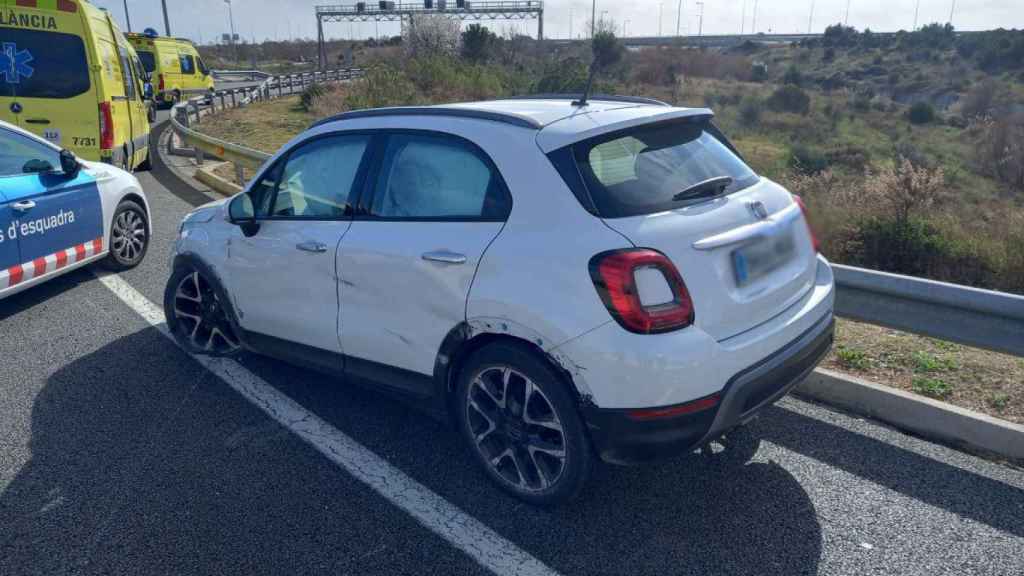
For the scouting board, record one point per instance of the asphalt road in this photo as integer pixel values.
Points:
(119, 454)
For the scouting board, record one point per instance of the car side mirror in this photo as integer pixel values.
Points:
(69, 164)
(147, 90)
(242, 214)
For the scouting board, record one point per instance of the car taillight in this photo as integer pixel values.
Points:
(106, 127)
(160, 81)
(642, 290)
(807, 220)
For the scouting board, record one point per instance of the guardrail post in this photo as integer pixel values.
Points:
(240, 174)
(199, 155)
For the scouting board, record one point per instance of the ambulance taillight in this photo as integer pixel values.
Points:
(106, 127)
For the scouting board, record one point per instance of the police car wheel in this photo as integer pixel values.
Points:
(129, 237)
(197, 314)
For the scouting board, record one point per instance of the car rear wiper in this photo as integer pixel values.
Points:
(709, 187)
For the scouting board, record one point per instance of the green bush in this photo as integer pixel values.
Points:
(790, 98)
(793, 76)
(310, 95)
(806, 159)
(921, 113)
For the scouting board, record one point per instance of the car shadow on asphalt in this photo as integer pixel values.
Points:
(141, 459)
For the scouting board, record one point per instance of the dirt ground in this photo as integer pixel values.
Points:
(984, 381)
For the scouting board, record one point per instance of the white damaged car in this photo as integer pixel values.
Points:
(566, 280)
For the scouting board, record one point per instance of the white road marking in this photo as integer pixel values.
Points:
(431, 510)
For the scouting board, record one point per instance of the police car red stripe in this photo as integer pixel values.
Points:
(36, 268)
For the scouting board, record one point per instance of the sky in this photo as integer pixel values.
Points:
(206, 20)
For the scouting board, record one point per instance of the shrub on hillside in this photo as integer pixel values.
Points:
(750, 110)
(310, 94)
(980, 100)
(921, 113)
(790, 98)
(1000, 148)
(807, 159)
(793, 76)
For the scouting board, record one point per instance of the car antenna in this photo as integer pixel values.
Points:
(590, 82)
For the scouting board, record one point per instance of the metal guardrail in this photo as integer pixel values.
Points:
(240, 74)
(970, 316)
(186, 114)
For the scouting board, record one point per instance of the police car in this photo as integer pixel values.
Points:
(58, 213)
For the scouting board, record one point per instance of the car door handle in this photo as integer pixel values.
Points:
(445, 256)
(315, 247)
(24, 205)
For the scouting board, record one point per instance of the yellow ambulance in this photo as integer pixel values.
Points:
(174, 65)
(69, 75)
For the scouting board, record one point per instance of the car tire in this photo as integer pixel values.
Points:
(521, 423)
(129, 237)
(199, 314)
(151, 113)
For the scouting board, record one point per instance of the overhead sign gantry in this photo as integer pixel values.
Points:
(387, 11)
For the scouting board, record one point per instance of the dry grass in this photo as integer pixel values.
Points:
(984, 381)
(264, 126)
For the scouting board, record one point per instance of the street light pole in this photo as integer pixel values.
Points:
(952, 9)
(661, 10)
(593, 18)
(810, 18)
(127, 17)
(231, 21)
(679, 18)
(753, 25)
(917, 10)
(743, 19)
(700, 22)
(167, 21)
(846, 20)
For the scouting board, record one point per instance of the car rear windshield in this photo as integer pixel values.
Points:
(644, 169)
(37, 64)
(148, 60)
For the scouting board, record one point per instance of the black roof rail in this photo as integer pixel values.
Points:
(577, 95)
(506, 118)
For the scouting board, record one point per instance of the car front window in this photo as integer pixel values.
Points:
(21, 155)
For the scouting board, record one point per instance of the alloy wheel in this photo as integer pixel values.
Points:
(516, 429)
(201, 316)
(128, 237)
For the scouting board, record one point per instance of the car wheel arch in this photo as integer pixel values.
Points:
(468, 337)
(195, 261)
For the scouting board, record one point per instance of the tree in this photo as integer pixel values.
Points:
(432, 35)
(478, 43)
(790, 98)
(607, 49)
(921, 113)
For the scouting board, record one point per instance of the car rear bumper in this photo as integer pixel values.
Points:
(622, 439)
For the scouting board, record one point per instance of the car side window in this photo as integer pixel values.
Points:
(21, 155)
(317, 179)
(202, 66)
(188, 64)
(127, 76)
(426, 176)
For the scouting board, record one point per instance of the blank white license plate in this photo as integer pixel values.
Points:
(755, 261)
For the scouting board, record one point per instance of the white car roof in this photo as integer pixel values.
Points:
(558, 122)
(562, 123)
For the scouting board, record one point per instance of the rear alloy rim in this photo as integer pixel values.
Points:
(128, 237)
(201, 316)
(516, 429)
